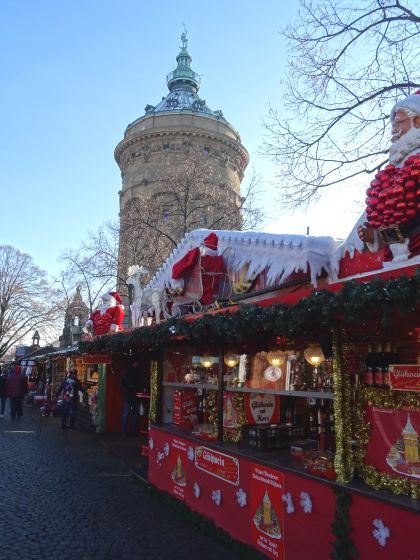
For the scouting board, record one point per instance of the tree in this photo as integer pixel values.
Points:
(27, 301)
(92, 267)
(153, 224)
(348, 66)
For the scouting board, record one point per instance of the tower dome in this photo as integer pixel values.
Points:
(168, 133)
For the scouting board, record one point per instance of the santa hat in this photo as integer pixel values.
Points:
(412, 102)
(116, 296)
(211, 241)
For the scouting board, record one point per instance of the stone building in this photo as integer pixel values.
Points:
(180, 127)
(75, 318)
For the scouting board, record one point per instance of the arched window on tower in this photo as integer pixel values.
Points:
(166, 216)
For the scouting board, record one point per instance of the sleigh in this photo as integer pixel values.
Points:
(189, 300)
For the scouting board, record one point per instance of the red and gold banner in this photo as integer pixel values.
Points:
(394, 442)
(267, 488)
(217, 464)
(405, 377)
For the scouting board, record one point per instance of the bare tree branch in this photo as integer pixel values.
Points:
(348, 66)
(27, 301)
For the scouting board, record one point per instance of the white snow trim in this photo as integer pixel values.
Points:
(350, 245)
(279, 254)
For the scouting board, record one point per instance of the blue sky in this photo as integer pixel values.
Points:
(76, 72)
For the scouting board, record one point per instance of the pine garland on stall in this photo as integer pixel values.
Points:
(344, 548)
(357, 303)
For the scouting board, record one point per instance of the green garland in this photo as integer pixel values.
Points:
(153, 392)
(357, 303)
(343, 546)
(343, 461)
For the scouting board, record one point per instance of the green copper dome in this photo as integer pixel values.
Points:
(183, 84)
(183, 77)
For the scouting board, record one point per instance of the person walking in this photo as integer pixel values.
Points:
(16, 389)
(3, 394)
(132, 383)
(70, 387)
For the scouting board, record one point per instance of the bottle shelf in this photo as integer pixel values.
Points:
(306, 394)
(209, 386)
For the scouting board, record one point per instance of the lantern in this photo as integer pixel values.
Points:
(206, 361)
(275, 359)
(231, 360)
(314, 355)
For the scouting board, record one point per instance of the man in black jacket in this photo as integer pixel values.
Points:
(70, 387)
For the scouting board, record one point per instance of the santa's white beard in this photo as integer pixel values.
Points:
(404, 146)
(207, 252)
(103, 308)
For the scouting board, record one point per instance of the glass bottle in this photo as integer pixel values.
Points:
(369, 377)
(378, 377)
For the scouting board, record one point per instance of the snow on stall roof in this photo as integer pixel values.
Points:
(279, 254)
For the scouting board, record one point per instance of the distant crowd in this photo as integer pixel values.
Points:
(13, 386)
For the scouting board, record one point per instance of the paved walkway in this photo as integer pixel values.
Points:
(62, 496)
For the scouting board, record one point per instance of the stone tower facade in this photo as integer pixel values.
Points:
(180, 126)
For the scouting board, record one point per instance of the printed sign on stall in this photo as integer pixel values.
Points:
(394, 442)
(97, 358)
(405, 377)
(217, 464)
(266, 509)
(178, 457)
(185, 409)
(262, 408)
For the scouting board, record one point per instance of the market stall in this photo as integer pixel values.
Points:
(292, 409)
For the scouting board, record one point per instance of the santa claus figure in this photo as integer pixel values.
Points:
(393, 199)
(108, 317)
(212, 268)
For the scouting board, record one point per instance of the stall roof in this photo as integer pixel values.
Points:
(279, 255)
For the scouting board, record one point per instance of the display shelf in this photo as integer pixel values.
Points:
(210, 386)
(306, 394)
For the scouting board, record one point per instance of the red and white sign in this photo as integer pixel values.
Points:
(185, 409)
(405, 377)
(97, 358)
(267, 488)
(217, 464)
(262, 409)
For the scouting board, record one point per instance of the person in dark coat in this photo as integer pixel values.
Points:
(131, 383)
(16, 389)
(3, 394)
(70, 387)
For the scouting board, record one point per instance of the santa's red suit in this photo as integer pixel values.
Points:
(211, 263)
(108, 317)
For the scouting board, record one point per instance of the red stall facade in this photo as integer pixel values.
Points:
(288, 410)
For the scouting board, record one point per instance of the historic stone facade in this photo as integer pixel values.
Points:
(179, 127)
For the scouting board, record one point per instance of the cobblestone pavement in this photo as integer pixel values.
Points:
(63, 497)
